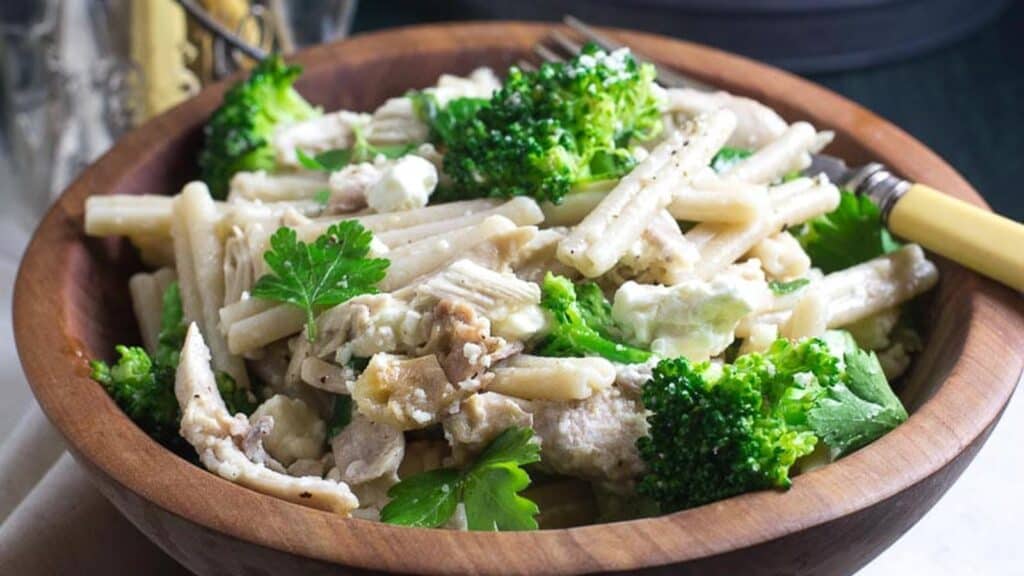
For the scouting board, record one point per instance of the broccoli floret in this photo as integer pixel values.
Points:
(718, 431)
(143, 386)
(581, 326)
(133, 384)
(547, 131)
(238, 134)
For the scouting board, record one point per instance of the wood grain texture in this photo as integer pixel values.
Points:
(71, 304)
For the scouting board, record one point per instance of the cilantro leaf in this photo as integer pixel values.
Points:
(426, 500)
(488, 489)
(324, 273)
(850, 234)
(728, 157)
(858, 410)
(782, 288)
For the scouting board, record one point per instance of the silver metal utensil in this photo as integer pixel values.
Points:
(971, 236)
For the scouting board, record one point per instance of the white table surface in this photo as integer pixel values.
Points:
(46, 499)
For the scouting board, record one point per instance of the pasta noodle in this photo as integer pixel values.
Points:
(722, 244)
(788, 153)
(541, 378)
(199, 255)
(597, 243)
(419, 258)
(276, 187)
(719, 201)
(147, 291)
(521, 211)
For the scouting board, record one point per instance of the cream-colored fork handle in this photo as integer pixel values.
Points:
(978, 239)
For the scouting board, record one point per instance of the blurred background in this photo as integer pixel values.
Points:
(77, 74)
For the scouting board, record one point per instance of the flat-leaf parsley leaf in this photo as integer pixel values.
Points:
(488, 489)
(321, 274)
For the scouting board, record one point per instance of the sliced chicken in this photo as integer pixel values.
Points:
(594, 438)
(217, 438)
(481, 418)
(463, 344)
(406, 393)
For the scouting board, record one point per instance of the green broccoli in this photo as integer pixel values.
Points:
(547, 131)
(581, 323)
(133, 384)
(144, 387)
(237, 136)
(718, 431)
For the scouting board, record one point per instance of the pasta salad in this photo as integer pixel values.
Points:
(563, 297)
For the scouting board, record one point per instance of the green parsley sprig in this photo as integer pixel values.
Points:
(850, 234)
(488, 489)
(325, 273)
(361, 151)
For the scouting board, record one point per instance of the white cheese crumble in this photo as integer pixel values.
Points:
(405, 185)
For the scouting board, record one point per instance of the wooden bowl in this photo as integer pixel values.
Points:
(71, 304)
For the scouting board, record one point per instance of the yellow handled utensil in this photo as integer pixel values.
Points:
(976, 238)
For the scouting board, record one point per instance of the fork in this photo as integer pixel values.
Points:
(973, 237)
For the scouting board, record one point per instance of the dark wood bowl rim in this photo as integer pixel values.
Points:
(964, 406)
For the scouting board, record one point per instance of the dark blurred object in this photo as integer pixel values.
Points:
(800, 35)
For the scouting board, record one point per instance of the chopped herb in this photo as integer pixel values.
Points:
(488, 489)
(321, 274)
(782, 288)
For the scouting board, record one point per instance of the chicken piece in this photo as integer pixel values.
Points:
(423, 456)
(243, 260)
(694, 318)
(216, 436)
(662, 255)
(630, 378)
(368, 324)
(481, 418)
(308, 467)
(462, 342)
(297, 432)
(511, 305)
(406, 393)
(348, 187)
(365, 451)
(756, 124)
(327, 132)
(252, 443)
(594, 438)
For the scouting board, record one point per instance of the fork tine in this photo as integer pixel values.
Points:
(547, 54)
(666, 76)
(606, 43)
(526, 66)
(563, 41)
